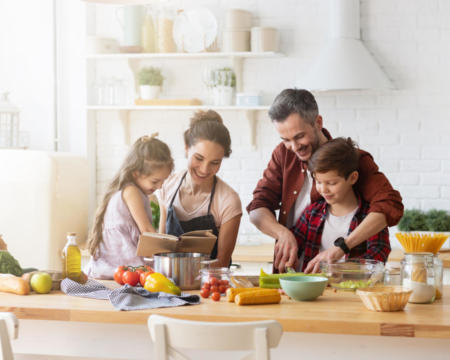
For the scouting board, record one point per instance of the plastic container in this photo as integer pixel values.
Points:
(216, 277)
(236, 40)
(72, 258)
(418, 274)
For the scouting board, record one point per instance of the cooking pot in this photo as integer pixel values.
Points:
(182, 268)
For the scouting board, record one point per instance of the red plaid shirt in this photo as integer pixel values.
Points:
(309, 227)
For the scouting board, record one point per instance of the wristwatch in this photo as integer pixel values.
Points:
(340, 242)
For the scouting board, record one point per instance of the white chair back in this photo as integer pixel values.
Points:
(9, 327)
(257, 336)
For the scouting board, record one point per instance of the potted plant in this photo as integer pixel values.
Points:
(224, 82)
(150, 80)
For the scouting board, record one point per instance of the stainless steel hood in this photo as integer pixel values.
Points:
(345, 63)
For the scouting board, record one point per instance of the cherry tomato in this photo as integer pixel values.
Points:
(143, 277)
(118, 274)
(222, 288)
(206, 285)
(213, 281)
(130, 277)
(204, 293)
(148, 268)
(214, 289)
(215, 296)
(223, 282)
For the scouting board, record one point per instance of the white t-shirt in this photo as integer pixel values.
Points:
(334, 227)
(226, 203)
(302, 201)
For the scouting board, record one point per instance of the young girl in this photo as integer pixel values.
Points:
(195, 198)
(125, 211)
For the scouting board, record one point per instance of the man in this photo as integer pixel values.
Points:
(287, 185)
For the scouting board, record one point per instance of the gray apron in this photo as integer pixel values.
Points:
(176, 227)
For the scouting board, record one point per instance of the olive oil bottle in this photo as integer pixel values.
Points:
(72, 258)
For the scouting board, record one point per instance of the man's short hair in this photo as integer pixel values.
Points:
(291, 101)
(338, 154)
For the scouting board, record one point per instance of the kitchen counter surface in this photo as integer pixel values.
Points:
(334, 313)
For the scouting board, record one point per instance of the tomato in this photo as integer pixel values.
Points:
(118, 274)
(148, 269)
(206, 285)
(223, 288)
(215, 296)
(204, 293)
(213, 281)
(130, 277)
(214, 289)
(223, 282)
(143, 277)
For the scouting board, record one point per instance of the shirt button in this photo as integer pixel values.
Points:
(284, 212)
(303, 170)
(295, 192)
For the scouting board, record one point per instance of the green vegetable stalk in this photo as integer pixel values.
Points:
(9, 265)
(272, 281)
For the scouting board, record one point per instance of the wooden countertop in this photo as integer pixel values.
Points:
(334, 312)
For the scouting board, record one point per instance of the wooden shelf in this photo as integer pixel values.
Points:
(141, 56)
(165, 107)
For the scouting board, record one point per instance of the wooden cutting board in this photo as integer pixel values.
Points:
(168, 102)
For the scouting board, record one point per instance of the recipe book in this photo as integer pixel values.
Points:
(200, 241)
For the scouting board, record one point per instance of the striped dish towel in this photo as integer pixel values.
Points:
(126, 297)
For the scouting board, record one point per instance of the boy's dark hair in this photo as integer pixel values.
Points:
(291, 101)
(338, 154)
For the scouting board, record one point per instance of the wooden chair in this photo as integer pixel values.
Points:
(9, 327)
(257, 336)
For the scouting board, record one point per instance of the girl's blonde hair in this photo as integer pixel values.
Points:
(147, 155)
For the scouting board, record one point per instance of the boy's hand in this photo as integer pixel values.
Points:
(330, 255)
(286, 250)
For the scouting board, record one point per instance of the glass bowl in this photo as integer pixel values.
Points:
(352, 274)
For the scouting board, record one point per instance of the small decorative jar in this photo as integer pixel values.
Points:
(418, 273)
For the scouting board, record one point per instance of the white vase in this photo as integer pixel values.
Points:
(223, 95)
(149, 92)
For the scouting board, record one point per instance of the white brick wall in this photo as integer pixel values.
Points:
(406, 130)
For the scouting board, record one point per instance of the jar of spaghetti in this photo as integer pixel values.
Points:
(418, 273)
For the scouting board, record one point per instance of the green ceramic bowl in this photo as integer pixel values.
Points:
(304, 288)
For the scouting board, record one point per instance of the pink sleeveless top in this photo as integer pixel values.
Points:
(120, 237)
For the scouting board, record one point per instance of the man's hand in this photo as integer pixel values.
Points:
(330, 255)
(286, 250)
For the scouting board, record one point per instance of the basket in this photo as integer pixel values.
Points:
(417, 242)
(385, 298)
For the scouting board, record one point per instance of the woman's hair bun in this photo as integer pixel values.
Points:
(208, 115)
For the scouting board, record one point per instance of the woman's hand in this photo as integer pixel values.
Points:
(330, 255)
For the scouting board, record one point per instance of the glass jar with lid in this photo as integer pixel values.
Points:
(418, 273)
(438, 276)
(216, 279)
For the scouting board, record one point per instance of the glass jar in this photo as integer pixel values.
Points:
(392, 275)
(418, 273)
(215, 279)
(438, 276)
(165, 42)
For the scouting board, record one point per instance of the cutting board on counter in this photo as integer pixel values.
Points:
(168, 102)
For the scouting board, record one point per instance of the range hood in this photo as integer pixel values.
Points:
(345, 63)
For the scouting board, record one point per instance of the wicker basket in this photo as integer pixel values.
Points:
(385, 298)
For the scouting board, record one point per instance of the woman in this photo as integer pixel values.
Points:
(196, 199)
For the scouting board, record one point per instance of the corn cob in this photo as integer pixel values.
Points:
(264, 296)
(232, 292)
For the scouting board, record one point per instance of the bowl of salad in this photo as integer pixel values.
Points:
(353, 274)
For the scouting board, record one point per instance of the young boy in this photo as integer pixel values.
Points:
(327, 222)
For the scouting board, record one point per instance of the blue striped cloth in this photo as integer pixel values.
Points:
(126, 297)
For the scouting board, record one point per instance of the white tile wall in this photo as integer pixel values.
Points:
(407, 129)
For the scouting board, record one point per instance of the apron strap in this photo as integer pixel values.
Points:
(213, 191)
(178, 188)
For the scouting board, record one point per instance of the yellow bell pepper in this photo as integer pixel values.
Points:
(158, 282)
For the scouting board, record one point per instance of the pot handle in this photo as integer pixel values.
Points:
(149, 259)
